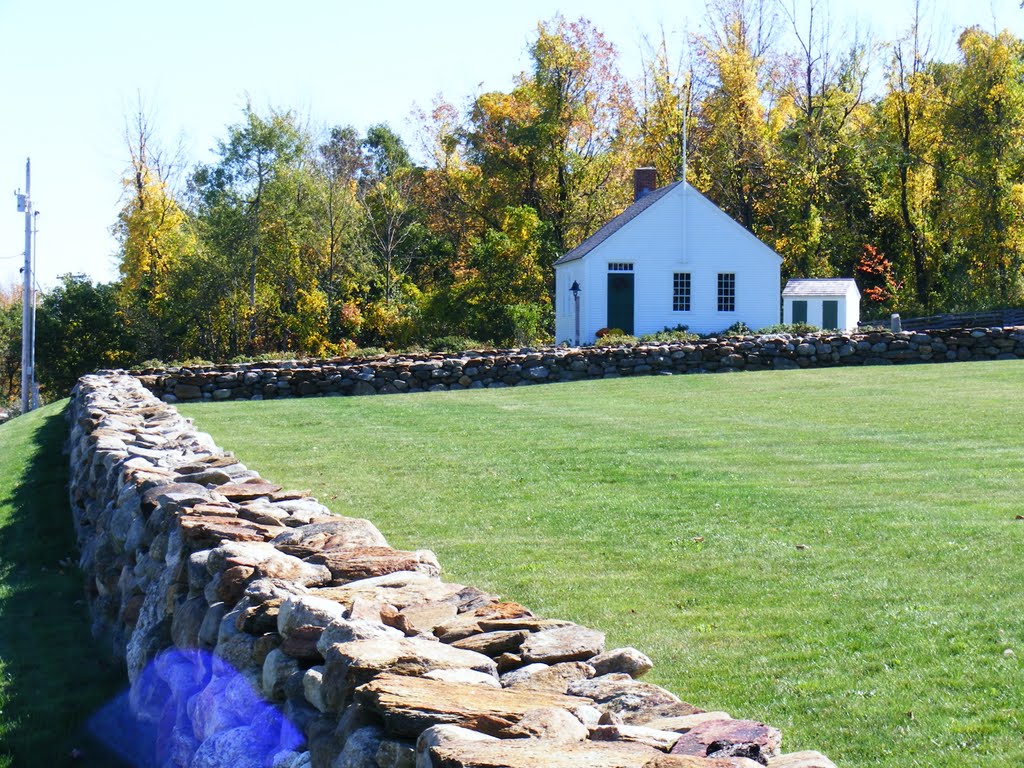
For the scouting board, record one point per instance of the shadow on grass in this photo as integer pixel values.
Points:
(56, 674)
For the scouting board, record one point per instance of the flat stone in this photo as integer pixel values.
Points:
(175, 496)
(493, 643)
(307, 610)
(468, 623)
(807, 759)
(248, 490)
(570, 643)
(463, 676)
(541, 677)
(638, 734)
(730, 738)
(207, 530)
(349, 630)
(621, 693)
(340, 532)
(268, 562)
(686, 761)
(411, 704)
(352, 563)
(349, 665)
(207, 476)
(682, 723)
(419, 618)
(523, 622)
(444, 736)
(400, 590)
(537, 753)
(628, 661)
(548, 723)
(651, 714)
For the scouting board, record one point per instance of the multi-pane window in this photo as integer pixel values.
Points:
(681, 292)
(726, 291)
(620, 266)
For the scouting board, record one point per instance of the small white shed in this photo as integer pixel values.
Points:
(829, 304)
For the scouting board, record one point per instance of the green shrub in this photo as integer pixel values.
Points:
(368, 352)
(679, 333)
(618, 339)
(797, 329)
(739, 328)
(454, 344)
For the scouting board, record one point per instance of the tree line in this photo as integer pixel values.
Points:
(313, 241)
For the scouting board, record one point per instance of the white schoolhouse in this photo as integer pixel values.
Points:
(671, 258)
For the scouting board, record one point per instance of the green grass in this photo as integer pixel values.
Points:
(667, 512)
(52, 674)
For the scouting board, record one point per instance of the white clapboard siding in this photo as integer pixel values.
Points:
(653, 241)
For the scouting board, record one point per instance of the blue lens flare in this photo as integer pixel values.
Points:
(185, 709)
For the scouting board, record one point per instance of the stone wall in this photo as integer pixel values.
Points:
(260, 630)
(474, 370)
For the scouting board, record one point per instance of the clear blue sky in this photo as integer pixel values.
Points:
(72, 71)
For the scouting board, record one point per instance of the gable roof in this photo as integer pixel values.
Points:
(832, 286)
(615, 224)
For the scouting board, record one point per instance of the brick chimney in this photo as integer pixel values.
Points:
(644, 180)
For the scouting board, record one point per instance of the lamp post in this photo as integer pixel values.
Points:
(576, 301)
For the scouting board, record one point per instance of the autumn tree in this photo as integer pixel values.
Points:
(985, 120)
(822, 192)
(155, 236)
(908, 140)
(737, 121)
(664, 101)
(247, 201)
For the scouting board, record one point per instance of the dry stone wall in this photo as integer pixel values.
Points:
(260, 630)
(475, 370)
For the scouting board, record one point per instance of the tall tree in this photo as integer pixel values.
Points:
(909, 138)
(737, 120)
(155, 236)
(826, 87)
(986, 121)
(390, 217)
(666, 98)
(246, 200)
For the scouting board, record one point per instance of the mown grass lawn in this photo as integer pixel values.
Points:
(834, 552)
(52, 673)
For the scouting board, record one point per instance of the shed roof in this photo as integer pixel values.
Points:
(832, 286)
(614, 225)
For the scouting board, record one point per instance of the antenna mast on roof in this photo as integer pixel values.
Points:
(686, 104)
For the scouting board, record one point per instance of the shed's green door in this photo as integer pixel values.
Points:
(830, 314)
(620, 302)
(799, 311)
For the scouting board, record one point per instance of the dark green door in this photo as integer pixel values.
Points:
(830, 314)
(799, 311)
(620, 302)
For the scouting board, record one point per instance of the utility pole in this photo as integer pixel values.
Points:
(27, 299)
